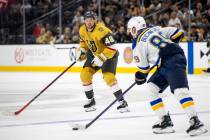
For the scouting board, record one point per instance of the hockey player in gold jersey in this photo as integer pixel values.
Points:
(97, 48)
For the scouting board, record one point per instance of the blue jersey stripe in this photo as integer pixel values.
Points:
(143, 68)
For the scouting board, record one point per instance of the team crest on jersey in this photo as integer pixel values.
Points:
(136, 59)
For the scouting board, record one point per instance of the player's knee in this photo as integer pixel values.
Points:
(86, 75)
(109, 78)
(181, 93)
(153, 90)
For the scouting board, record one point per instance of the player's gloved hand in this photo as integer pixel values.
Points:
(97, 62)
(140, 78)
(80, 54)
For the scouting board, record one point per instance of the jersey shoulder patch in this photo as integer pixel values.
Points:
(100, 29)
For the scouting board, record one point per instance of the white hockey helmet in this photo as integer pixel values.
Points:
(135, 24)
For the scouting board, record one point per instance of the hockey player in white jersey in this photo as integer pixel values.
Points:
(155, 47)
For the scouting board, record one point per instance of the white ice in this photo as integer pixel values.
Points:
(51, 115)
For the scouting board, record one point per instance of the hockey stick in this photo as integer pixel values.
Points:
(83, 127)
(26, 105)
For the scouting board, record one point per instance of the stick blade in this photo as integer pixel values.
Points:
(16, 113)
(76, 127)
(7, 113)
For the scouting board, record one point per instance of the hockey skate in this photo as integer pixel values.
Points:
(123, 107)
(196, 127)
(163, 126)
(90, 105)
(207, 70)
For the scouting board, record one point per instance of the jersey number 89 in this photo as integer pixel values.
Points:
(157, 42)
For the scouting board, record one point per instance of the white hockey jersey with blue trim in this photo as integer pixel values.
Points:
(146, 46)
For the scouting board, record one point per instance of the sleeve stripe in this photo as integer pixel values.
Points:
(144, 70)
(177, 30)
(102, 57)
(176, 34)
(111, 49)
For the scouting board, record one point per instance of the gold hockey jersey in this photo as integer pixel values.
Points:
(99, 41)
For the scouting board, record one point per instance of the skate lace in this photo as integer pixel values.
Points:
(192, 122)
(121, 103)
(88, 101)
(159, 122)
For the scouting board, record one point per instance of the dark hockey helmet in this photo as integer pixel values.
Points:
(90, 14)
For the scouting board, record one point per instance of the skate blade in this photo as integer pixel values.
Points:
(163, 131)
(198, 132)
(123, 110)
(93, 108)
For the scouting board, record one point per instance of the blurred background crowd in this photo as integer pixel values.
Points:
(39, 21)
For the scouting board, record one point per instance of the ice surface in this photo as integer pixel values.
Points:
(50, 116)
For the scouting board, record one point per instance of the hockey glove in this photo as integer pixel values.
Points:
(140, 78)
(99, 60)
(80, 54)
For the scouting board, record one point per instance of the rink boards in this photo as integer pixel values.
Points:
(48, 58)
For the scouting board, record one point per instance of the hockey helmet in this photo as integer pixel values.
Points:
(90, 14)
(136, 22)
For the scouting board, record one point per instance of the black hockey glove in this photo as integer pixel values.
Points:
(140, 78)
